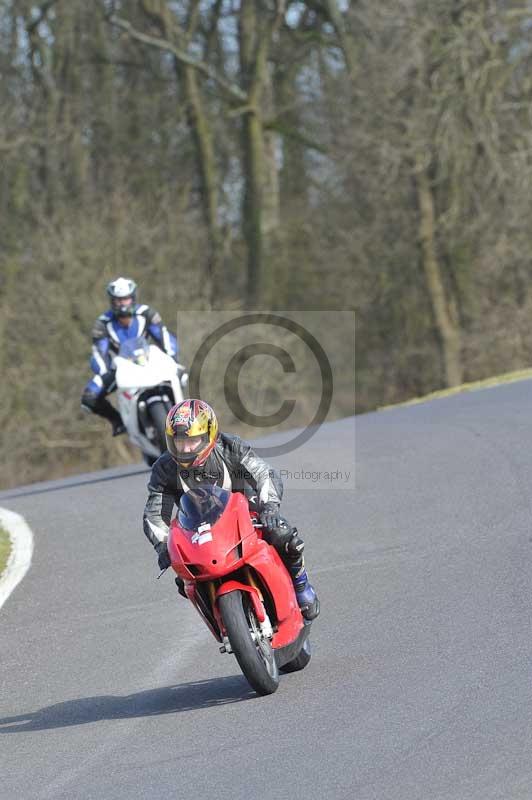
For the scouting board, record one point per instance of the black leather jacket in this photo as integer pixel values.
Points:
(232, 464)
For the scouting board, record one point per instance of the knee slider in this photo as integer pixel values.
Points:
(279, 537)
(294, 546)
(108, 379)
(89, 400)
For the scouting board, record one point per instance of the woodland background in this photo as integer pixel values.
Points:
(240, 154)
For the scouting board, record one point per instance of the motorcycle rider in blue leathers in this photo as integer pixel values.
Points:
(124, 320)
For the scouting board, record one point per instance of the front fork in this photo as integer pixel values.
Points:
(257, 600)
(265, 624)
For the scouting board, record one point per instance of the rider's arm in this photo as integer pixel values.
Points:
(265, 480)
(161, 499)
(100, 356)
(160, 333)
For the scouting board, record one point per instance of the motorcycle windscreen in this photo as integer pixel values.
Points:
(202, 505)
(136, 350)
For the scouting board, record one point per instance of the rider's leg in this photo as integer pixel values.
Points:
(290, 546)
(94, 399)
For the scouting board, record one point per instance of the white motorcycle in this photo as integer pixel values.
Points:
(148, 383)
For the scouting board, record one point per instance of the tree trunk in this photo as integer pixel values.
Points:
(444, 310)
(252, 204)
(271, 182)
(203, 142)
(260, 203)
(347, 43)
(202, 138)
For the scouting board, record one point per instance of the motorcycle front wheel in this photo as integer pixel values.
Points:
(158, 415)
(254, 654)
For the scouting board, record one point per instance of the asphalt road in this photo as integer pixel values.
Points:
(420, 683)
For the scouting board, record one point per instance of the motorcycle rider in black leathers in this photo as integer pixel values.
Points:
(198, 453)
(124, 320)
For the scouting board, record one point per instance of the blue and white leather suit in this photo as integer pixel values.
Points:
(107, 335)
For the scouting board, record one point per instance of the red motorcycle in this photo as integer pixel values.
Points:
(239, 585)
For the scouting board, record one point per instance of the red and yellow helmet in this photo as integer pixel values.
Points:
(191, 432)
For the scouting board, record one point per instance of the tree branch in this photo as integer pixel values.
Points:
(43, 9)
(292, 133)
(231, 89)
(18, 142)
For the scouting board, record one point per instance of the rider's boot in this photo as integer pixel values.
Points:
(307, 598)
(118, 428)
(114, 418)
(103, 408)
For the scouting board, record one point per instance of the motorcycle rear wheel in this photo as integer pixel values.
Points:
(255, 655)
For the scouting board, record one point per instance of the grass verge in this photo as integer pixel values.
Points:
(5, 549)
(496, 380)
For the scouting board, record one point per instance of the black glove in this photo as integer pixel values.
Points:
(270, 516)
(163, 557)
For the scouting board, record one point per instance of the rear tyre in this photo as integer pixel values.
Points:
(158, 416)
(300, 661)
(255, 655)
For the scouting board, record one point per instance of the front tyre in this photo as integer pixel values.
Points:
(158, 416)
(254, 654)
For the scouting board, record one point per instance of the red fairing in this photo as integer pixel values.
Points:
(232, 544)
(214, 552)
(267, 563)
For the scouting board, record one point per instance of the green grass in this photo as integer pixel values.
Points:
(496, 380)
(5, 548)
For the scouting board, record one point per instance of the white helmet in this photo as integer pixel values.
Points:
(122, 292)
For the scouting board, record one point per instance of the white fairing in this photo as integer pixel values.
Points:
(133, 378)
